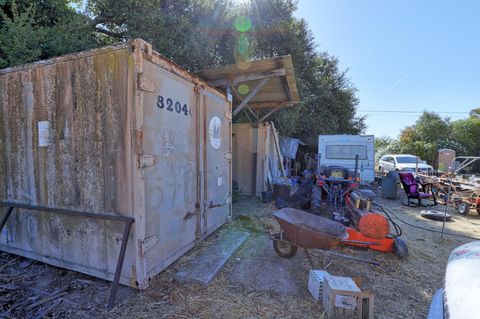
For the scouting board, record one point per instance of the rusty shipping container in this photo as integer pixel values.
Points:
(117, 129)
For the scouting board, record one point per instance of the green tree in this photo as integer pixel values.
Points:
(466, 135)
(386, 145)
(429, 133)
(196, 34)
(18, 36)
(33, 30)
(328, 98)
(430, 127)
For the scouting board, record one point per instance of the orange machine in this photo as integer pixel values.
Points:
(371, 229)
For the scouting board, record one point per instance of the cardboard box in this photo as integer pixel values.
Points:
(315, 283)
(341, 297)
(365, 305)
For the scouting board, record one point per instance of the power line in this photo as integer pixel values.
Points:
(410, 112)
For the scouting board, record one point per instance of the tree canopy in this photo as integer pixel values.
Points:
(196, 34)
(431, 133)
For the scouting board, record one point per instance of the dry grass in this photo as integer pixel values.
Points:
(403, 288)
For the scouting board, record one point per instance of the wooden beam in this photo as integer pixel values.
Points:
(250, 77)
(277, 149)
(279, 107)
(250, 96)
(237, 95)
(267, 105)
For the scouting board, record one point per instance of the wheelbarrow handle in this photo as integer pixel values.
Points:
(361, 242)
(372, 262)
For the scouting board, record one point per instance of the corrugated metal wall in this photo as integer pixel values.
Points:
(86, 164)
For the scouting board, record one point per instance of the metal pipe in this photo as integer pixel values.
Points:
(204, 163)
(376, 263)
(446, 206)
(118, 270)
(71, 212)
(198, 204)
(5, 217)
(66, 211)
(356, 165)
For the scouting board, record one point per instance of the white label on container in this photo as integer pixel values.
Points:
(43, 133)
(214, 132)
(347, 302)
(220, 181)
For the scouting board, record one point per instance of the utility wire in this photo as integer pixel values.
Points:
(411, 112)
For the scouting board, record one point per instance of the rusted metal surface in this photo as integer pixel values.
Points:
(309, 231)
(112, 217)
(85, 132)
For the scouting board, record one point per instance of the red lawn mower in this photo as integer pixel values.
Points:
(368, 224)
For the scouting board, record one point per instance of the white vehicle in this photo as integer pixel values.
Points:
(402, 162)
(340, 150)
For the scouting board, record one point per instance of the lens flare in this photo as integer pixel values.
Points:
(243, 24)
(243, 89)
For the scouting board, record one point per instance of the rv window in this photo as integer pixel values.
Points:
(346, 151)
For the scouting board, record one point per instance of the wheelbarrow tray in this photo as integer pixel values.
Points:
(309, 231)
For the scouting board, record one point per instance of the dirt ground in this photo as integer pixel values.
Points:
(403, 287)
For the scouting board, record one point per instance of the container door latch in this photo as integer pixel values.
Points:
(145, 160)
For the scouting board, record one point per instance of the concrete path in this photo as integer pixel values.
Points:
(203, 268)
(261, 269)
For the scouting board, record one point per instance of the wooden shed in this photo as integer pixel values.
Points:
(258, 89)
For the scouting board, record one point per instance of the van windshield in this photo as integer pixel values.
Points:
(407, 159)
(346, 152)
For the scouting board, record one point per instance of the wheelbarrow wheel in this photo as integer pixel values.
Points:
(463, 208)
(283, 248)
(400, 248)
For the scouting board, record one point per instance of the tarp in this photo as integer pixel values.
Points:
(289, 146)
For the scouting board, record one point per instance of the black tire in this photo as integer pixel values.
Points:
(463, 208)
(316, 203)
(478, 211)
(284, 249)
(435, 215)
(400, 248)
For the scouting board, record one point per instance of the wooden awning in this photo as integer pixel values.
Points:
(261, 84)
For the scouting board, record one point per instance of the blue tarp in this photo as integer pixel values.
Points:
(289, 146)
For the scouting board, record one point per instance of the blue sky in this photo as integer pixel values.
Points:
(404, 56)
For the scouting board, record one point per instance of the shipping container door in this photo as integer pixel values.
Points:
(217, 147)
(169, 160)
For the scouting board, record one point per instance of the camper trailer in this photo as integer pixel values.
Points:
(341, 150)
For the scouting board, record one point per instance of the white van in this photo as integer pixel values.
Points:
(340, 150)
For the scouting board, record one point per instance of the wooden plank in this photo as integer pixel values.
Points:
(242, 151)
(250, 96)
(277, 108)
(250, 77)
(277, 148)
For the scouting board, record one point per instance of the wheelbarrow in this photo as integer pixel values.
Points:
(304, 230)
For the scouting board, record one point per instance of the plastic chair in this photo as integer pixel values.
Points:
(412, 188)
